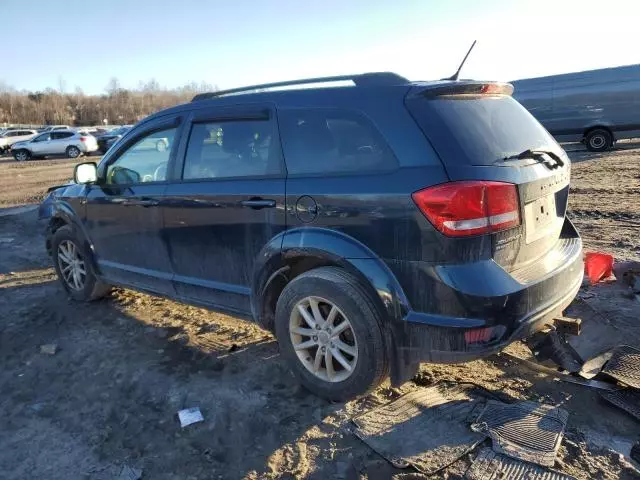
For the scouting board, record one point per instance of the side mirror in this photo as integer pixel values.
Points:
(86, 173)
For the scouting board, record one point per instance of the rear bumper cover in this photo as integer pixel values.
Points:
(514, 305)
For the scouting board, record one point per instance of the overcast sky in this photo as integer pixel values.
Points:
(239, 42)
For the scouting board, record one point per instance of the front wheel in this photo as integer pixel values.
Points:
(74, 268)
(330, 332)
(598, 140)
(21, 155)
(73, 152)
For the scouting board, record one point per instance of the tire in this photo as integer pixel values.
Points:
(73, 152)
(92, 287)
(21, 155)
(346, 292)
(598, 140)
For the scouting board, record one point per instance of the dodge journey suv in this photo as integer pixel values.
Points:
(371, 226)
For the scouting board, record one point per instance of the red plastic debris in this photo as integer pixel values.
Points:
(598, 266)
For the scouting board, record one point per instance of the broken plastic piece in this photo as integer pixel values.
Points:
(189, 416)
(598, 266)
(49, 349)
(128, 473)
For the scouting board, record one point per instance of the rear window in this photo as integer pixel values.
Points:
(478, 130)
(327, 141)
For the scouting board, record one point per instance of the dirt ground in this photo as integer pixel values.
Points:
(125, 365)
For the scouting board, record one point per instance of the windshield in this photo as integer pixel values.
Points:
(479, 130)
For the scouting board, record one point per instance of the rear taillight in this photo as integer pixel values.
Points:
(84, 139)
(460, 209)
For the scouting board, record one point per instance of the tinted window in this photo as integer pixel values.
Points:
(332, 141)
(61, 135)
(144, 161)
(231, 149)
(479, 130)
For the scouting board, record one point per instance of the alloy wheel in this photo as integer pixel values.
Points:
(72, 266)
(323, 339)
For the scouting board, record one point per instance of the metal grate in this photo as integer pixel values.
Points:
(624, 365)
(627, 399)
(489, 465)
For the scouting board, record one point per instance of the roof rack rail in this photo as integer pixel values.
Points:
(361, 79)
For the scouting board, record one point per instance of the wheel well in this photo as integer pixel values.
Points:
(599, 127)
(54, 225)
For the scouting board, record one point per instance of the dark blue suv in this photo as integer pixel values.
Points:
(370, 226)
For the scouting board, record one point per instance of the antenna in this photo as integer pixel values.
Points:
(457, 74)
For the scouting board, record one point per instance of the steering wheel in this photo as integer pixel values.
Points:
(160, 172)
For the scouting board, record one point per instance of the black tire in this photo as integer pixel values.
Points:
(350, 296)
(73, 152)
(94, 288)
(21, 155)
(598, 140)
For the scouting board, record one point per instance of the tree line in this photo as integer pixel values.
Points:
(116, 106)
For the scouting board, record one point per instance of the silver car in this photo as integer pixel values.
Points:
(58, 142)
(10, 137)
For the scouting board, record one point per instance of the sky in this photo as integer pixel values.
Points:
(230, 43)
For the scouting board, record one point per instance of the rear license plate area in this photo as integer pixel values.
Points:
(540, 217)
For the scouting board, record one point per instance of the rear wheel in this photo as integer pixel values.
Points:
(74, 268)
(73, 151)
(598, 140)
(330, 332)
(21, 155)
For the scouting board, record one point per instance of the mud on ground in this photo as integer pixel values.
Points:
(125, 365)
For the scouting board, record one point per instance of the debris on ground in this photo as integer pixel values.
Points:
(130, 473)
(624, 366)
(397, 430)
(629, 274)
(525, 430)
(598, 266)
(189, 416)
(489, 465)
(49, 349)
(627, 399)
(635, 452)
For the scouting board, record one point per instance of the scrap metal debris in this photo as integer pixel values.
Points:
(627, 399)
(525, 430)
(489, 465)
(189, 416)
(624, 365)
(427, 429)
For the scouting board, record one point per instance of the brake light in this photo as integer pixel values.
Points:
(84, 139)
(460, 209)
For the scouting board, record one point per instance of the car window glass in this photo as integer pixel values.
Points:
(322, 141)
(144, 161)
(64, 134)
(239, 148)
(42, 138)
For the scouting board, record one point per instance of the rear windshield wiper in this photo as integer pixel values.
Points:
(538, 155)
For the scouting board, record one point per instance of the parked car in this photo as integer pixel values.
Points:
(596, 107)
(9, 137)
(57, 142)
(51, 128)
(370, 227)
(109, 138)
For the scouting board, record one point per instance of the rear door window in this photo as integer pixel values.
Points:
(478, 129)
(328, 141)
(61, 135)
(234, 148)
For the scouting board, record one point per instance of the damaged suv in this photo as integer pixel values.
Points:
(371, 227)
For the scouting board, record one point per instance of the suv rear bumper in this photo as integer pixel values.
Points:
(502, 307)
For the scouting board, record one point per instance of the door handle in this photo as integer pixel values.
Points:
(142, 202)
(258, 203)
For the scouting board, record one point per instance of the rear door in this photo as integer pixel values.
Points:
(478, 131)
(59, 142)
(228, 203)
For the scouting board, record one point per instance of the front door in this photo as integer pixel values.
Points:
(123, 214)
(227, 205)
(40, 143)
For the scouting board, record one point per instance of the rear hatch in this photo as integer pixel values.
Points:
(497, 156)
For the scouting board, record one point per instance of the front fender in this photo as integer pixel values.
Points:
(334, 248)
